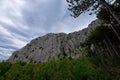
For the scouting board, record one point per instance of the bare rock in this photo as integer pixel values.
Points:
(54, 46)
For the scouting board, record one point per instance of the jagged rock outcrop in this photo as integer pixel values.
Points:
(54, 46)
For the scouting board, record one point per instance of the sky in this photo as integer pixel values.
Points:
(23, 20)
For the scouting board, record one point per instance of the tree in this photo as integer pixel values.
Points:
(78, 7)
(4, 67)
(105, 16)
(100, 42)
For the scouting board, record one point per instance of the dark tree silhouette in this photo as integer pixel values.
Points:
(78, 7)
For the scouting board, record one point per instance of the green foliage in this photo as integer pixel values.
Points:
(4, 67)
(95, 36)
(15, 72)
(65, 69)
(117, 6)
(78, 7)
(102, 38)
(104, 15)
(103, 54)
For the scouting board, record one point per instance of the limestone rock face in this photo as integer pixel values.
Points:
(54, 46)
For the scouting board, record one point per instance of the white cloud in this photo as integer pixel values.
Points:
(5, 53)
(18, 43)
(23, 20)
(4, 31)
(7, 21)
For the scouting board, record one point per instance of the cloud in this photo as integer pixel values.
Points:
(23, 20)
(5, 53)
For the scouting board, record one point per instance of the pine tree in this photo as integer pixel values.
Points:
(78, 7)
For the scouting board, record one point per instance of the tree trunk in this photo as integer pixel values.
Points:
(115, 32)
(107, 47)
(112, 12)
(112, 45)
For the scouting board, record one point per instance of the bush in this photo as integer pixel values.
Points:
(65, 69)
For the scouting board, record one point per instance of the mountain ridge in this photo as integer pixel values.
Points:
(54, 46)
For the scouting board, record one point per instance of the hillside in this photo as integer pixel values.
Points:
(63, 57)
(54, 46)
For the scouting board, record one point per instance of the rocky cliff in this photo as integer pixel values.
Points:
(54, 46)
